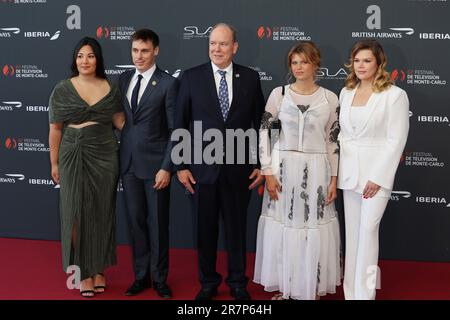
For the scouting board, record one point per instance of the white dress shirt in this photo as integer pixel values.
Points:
(146, 76)
(228, 78)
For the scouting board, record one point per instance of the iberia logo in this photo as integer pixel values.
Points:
(398, 74)
(102, 32)
(8, 70)
(264, 32)
(10, 143)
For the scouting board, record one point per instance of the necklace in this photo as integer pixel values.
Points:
(304, 93)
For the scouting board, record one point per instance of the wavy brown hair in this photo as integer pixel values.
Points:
(309, 49)
(382, 79)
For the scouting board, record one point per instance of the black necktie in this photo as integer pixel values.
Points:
(135, 94)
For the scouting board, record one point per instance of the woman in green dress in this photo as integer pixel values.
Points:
(84, 161)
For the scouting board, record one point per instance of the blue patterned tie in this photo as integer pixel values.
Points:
(223, 95)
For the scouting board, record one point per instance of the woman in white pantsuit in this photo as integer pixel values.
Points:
(374, 123)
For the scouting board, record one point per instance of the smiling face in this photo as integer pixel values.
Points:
(301, 68)
(222, 48)
(143, 54)
(365, 65)
(86, 61)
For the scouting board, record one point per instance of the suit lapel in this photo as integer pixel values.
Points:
(125, 85)
(151, 86)
(236, 85)
(371, 105)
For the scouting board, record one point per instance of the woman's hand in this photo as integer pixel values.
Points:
(332, 192)
(370, 190)
(55, 173)
(273, 187)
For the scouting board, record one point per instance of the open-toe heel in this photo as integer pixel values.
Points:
(100, 288)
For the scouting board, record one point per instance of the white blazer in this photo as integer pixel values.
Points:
(373, 152)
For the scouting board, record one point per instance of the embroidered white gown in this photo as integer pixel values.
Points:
(298, 242)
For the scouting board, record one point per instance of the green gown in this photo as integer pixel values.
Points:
(89, 168)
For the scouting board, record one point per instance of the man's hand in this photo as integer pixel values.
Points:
(186, 179)
(162, 179)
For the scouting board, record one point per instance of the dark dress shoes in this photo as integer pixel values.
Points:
(163, 290)
(137, 287)
(240, 294)
(206, 294)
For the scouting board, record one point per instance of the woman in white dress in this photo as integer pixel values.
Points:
(374, 124)
(298, 243)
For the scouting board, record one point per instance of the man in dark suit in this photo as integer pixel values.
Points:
(220, 95)
(149, 96)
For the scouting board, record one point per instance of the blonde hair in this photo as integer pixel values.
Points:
(382, 79)
(309, 50)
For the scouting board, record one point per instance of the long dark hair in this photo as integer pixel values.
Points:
(100, 67)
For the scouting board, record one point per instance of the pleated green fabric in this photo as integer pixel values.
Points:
(89, 170)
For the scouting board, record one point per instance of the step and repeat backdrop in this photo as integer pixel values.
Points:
(36, 43)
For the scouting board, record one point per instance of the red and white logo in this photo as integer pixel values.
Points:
(8, 70)
(264, 32)
(102, 32)
(398, 74)
(10, 143)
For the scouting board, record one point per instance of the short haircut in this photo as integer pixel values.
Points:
(146, 35)
(226, 25)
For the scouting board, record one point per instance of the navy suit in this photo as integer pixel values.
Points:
(220, 187)
(144, 150)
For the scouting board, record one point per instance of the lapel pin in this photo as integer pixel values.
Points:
(154, 83)
(237, 75)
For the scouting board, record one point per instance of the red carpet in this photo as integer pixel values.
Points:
(31, 269)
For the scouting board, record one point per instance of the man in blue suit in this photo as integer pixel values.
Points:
(149, 96)
(221, 95)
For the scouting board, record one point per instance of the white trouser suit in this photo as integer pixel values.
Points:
(371, 144)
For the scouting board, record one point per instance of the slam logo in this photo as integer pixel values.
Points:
(102, 32)
(331, 74)
(264, 32)
(10, 143)
(8, 32)
(8, 70)
(194, 32)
